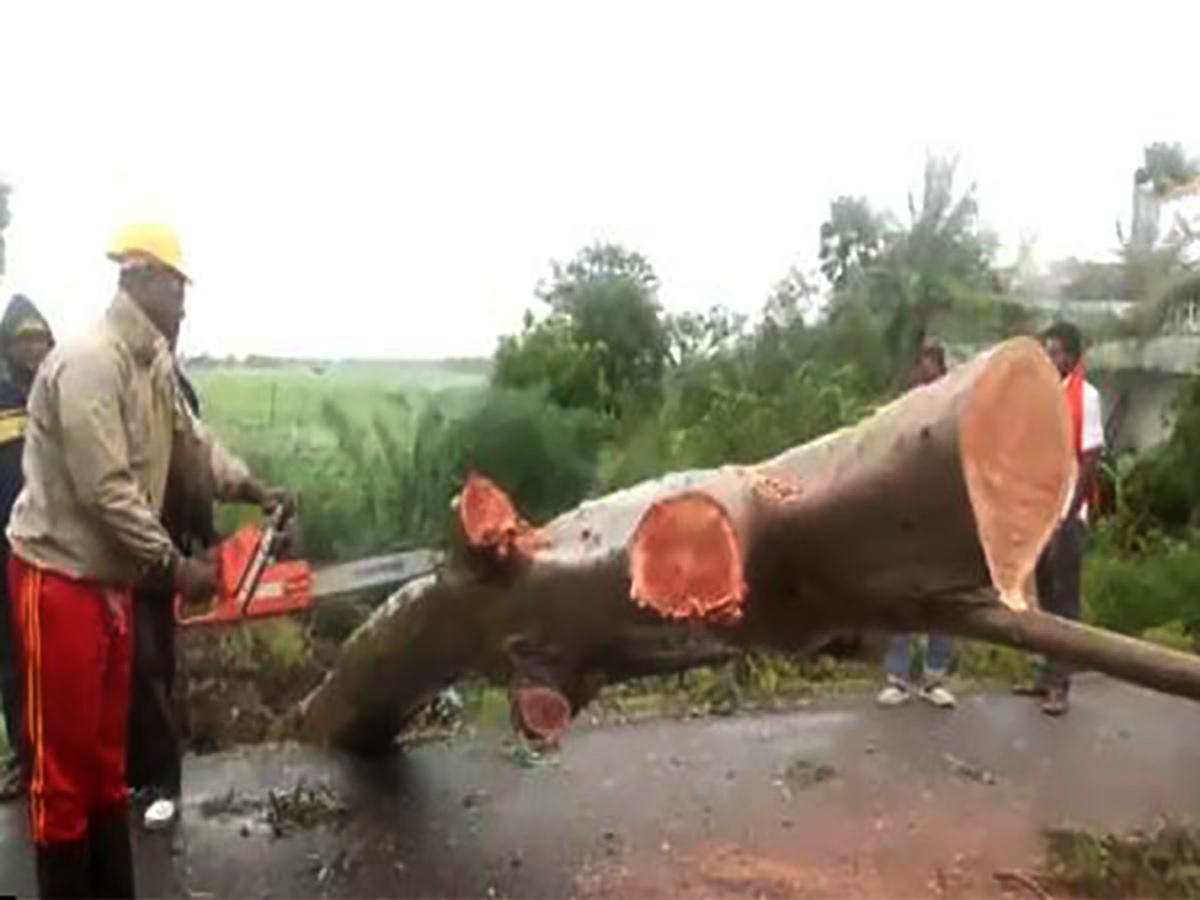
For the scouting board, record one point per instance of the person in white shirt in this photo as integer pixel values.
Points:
(1061, 565)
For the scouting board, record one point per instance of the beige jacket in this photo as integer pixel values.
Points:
(106, 420)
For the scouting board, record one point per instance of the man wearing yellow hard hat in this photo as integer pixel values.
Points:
(106, 420)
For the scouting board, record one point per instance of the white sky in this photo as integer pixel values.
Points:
(373, 179)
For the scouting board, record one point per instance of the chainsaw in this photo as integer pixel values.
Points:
(252, 583)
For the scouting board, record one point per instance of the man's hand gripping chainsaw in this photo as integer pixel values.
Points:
(251, 582)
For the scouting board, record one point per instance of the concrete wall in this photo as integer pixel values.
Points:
(1137, 407)
(1138, 382)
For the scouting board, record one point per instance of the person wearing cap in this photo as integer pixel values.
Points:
(25, 339)
(106, 422)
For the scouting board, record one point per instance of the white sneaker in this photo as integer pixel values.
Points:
(938, 696)
(893, 695)
(159, 815)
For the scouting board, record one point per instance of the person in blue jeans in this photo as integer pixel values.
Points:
(929, 367)
(899, 688)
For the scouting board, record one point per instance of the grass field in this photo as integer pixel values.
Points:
(283, 404)
(282, 418)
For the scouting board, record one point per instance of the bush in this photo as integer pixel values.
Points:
(1133, 593)
(1161, 491)
(992, 662)
(544, 456)
(1161, 861)
(392, 482)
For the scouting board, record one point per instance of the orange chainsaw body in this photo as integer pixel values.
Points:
(282, 589)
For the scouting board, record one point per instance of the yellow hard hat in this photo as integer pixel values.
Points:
(157, 242)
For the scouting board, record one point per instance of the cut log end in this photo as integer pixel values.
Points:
(542, 713)
(1018, 461)
(685, 561)
(490, 521)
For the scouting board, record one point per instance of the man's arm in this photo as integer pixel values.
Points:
(93, 438)
(1085, 483)
(1093, 444)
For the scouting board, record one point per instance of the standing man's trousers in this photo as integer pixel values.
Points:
(76, 638)
(1059, 577)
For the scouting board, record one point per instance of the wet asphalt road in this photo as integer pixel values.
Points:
(910, 801)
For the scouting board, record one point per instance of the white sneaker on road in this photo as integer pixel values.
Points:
(159, 814)
(893, 695)
(938, 696)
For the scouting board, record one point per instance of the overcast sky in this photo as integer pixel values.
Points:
(371, 179)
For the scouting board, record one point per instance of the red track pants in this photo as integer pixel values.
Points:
(76, 642)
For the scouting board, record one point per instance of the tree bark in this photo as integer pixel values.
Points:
(900, 520)
(1086, 647)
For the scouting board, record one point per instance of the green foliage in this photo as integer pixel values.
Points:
(544, 456)
(942, 257)
(755, 680)
(552, 356)
(604, 340)
(1142, 572)
(990, 662)
(1169, 293)
(747, 397)
(1090, 280)
(905, 277)
(1134, 593)
(694, 336)
(1162, 861)
(1165, 167)
(723, 416)
(402, 471)
(278, 648)
(975, 319)
(852, 239)
(1173, 635)
(793, 299)
(1160, 492)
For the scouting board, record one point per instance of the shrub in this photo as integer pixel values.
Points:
(1133, 593)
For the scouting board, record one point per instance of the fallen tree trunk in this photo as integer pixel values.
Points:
(438, 628)
(953, 488)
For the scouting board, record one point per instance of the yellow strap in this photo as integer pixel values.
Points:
(12, 427)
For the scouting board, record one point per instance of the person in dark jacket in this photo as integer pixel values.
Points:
(154, 765)
(25, 339)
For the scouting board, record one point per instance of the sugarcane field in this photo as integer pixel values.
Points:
(527, 450)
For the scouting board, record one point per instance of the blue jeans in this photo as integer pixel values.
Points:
(937, 656)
